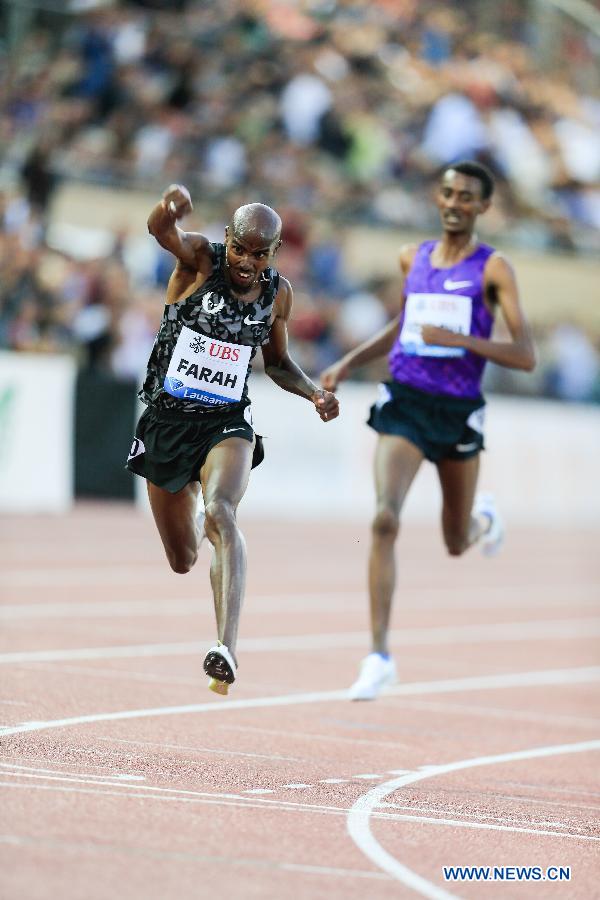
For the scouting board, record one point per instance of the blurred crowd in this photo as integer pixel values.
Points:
(336, 112)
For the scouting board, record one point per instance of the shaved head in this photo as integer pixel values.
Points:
(252, 239)
(257, 221)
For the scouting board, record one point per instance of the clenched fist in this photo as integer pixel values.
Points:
(177, 200)
(326, 404)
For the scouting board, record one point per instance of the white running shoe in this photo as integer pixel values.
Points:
(375, 673)
(492, 539)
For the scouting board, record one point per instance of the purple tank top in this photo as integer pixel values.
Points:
(452, 298)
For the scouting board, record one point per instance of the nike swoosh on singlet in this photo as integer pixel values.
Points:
(227, 430)
(249, 321)
(450, 285)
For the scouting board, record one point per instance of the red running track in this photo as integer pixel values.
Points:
(124, 777)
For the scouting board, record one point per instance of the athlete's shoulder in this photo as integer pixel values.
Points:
(199, 254)
(497, 265)
(407, 255)
(283, 286)
(283, 297)
(198, 242)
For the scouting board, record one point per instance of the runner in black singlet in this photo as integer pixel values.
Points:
(224, 302)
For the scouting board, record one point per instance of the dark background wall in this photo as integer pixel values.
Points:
(105, 416)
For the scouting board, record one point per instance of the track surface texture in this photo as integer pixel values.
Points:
(122, 776)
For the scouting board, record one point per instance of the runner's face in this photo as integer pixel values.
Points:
(247, 258)
(459, 201)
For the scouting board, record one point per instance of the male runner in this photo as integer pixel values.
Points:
(224, 301)
(432, 407)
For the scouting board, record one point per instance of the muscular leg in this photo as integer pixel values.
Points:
(224, 479)
(174, 515)
(458, 479)
(397, 462)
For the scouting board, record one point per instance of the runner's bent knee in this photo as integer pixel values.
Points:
(220, 517)
(456, 541)
(181, 559)
(386, 523)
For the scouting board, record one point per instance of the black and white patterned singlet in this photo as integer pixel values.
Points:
(203, 352)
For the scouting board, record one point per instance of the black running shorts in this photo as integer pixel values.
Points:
(169, 450)
(443, 427)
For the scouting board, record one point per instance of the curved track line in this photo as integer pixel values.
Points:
(478, 683)
(358, 818)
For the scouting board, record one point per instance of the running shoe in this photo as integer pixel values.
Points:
(376, 672)
(491, 540)
(220, 667)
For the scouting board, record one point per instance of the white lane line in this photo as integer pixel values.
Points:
(488, 826)
(115, 674)
(82, 576)
(477, 683)
(77, 775)
(568, 721)
(84, 761)
(511, 820)
(360, 814)
(180, 795)
(562, 804)
(562, 629)
(219, 751)
(101, 609)
(296, 787)
(327, 870)
(259, 791)
(571, 791)
(174, 793)
(312, 736)
(552, 594)
(183, 648)
(182, 856)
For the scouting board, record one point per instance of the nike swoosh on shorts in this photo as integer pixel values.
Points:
(464, 448)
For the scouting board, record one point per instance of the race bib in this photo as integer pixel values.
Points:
(204, 369)
(445, 311)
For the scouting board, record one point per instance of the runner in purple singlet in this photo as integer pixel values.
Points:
(432, 407)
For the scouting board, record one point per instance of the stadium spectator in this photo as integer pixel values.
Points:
(340, 113)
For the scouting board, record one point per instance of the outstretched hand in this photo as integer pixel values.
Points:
(326, 404)
(331, 377)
